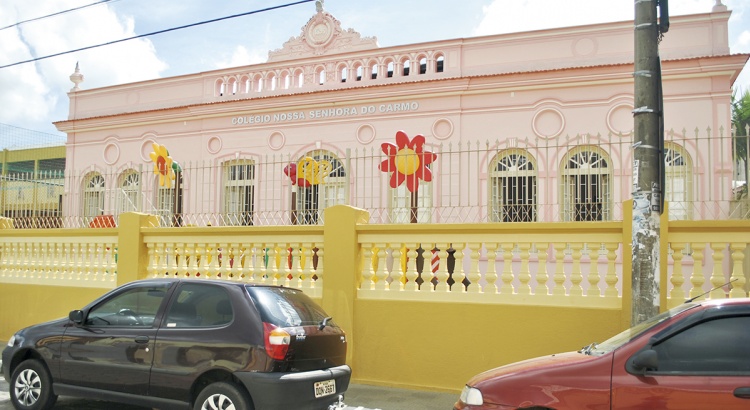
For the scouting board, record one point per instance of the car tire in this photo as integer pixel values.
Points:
(223, 396)
(31, 387)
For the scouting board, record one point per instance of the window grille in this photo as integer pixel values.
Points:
(93, 196)
(678, 174)
(129, 192)
(239, 192)
(312, 200)
(586, 185)
(169, 202)
(513, 187)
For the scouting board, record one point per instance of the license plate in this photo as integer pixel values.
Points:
(325, 388)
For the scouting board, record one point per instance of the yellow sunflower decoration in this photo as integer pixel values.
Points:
(163, 165)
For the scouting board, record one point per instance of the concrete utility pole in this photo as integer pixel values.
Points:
(648, 157)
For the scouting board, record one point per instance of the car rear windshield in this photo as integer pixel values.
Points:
(285, 307)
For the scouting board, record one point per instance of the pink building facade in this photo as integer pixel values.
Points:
(533, 126)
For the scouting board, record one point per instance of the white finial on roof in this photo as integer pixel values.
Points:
(719, 6)
(76, 78)
(319, 5)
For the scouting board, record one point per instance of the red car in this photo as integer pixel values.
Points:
(695, 356)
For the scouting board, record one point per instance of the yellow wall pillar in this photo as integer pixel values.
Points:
(664, 258)
(6, 223)
(132, 254)
(342, 267)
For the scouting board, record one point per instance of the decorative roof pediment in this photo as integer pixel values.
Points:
(322, 35)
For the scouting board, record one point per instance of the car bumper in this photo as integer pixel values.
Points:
(6, 364)
(294, 390)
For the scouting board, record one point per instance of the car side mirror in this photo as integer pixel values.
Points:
(76, 316)
(645, 361)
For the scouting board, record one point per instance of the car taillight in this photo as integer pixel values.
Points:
(277, 341)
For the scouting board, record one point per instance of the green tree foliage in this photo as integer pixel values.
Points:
(741, 123)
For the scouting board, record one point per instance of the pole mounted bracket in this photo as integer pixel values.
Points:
(642, 73)
(643, 110)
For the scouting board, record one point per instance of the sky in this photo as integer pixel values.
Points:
(34, 95)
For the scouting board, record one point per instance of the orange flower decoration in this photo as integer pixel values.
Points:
(407, 161)
(162, 164)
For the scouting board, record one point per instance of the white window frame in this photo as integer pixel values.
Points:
(519, 167)
(313, 200)
(129, 192)
(93, 195)
(586, 172)
(400, 199)
(239, 192)
(678, 178)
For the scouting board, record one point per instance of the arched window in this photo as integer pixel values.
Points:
(406, 63)
(513, 187)
(586, 180)
(232, 86)
(423, 65)
(93, 196)
(129, 191)
(390, 69)
(343, 71)
(440, 64)
(321, 76)
(678, 179)
(325, 186)
(239, 191)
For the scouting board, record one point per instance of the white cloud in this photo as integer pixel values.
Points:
(511, 16)
(241, 56)
(40, 87)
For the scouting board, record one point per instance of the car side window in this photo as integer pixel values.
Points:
(133, 307)
(199, 305)
(716, 346)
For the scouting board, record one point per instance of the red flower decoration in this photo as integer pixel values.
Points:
(407, 161)
(291, 171)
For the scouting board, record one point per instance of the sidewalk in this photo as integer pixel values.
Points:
(391, 398)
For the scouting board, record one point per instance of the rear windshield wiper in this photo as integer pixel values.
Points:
(324, 323)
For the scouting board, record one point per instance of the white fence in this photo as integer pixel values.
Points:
(580, 178)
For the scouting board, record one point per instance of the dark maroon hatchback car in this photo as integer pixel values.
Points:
(184, 344)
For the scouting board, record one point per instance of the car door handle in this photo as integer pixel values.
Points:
(141, 339)
(742, 392)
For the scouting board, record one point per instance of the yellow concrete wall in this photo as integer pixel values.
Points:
(439, 346)
(25, 305)
(434, 344)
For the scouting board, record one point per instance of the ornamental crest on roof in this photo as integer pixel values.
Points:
(320, 36)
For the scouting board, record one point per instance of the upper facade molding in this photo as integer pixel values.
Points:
(326, 58)
(322, 35)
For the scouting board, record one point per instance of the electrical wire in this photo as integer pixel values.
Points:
(157, 32)
(55, 14)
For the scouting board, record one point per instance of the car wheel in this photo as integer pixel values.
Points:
(223, 396)
(31, 387)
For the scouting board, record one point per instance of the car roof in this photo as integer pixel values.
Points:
(196, 280)
(724, 302)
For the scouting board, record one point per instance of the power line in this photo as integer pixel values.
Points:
(55, 14)
(158, 32)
